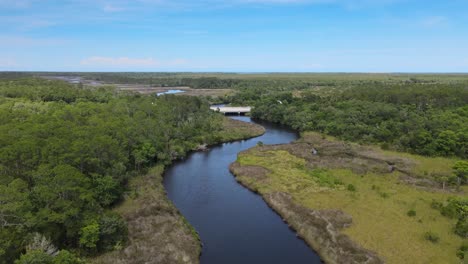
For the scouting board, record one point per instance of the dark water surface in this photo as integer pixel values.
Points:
(235, 225)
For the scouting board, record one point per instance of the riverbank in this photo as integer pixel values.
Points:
(355, 204)
(157, 232)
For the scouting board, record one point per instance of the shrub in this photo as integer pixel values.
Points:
(385, 146)
(461, 228)
(338, 182)
(260, 143)
(436, 205)
(450, 210)
(411, 213)
(384, 194)
(35, 257)
(462, 251)
(431, 236)
(66, 257)
(351, 188)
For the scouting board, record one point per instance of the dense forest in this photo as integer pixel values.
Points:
(427, 119)
(66, 153)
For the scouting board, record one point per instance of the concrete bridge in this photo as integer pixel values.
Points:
(228, 110)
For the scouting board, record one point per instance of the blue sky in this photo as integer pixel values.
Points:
(234, 36)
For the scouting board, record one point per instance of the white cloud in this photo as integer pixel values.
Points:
(130, 62)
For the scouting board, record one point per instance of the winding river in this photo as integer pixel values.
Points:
(235, 225)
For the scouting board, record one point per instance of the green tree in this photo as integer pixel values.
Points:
(461, 171)
(446, 142)
(89, 236)
(112, 231)
(106, 189)
(143, 155)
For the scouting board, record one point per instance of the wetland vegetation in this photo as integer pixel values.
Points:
(395, 213)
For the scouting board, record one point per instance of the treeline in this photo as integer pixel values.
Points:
(66, 154)
(264, 82)
(202, 81)
(42, 90)
(427, 119)
(243, 81)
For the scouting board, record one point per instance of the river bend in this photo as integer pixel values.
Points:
(235, 225)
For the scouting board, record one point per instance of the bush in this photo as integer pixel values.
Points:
(462, 251)
(461, 228)
(66, 257)
(385, 146)
(458, 209)
(351, 188)
(436, 205)
(35, 257)
(451, 209)
(384, 194)
(431, 236)
(411, 213)
(260, 143)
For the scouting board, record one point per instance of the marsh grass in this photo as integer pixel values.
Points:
(235, 130)
(379, 206)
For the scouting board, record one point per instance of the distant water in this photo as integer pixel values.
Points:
(235, 225)
(171, 92)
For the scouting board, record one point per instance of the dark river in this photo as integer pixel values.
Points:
(235, 225)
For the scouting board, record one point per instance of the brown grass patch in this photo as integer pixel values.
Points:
(158, 233)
